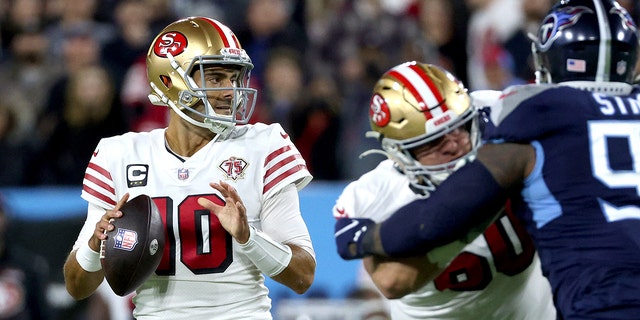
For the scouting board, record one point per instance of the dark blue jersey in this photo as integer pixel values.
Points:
(581, 202)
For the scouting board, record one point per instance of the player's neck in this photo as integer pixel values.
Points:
(185, 142)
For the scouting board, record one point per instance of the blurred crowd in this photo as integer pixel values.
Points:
(73, 71)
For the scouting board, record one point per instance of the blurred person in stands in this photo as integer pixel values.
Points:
(90, 111)
(241, 181)
(80, 51)
(427, 126)
(27, 76)
(140, 113)
(438, 34)
(491, 23)
(26, 69)
(23, 278)
(72, 16)
(283, 87)
(499, 67)
(315, 128)
(19, 17)
(14, 155)
(132, 19)
(269, 25)
(519, 44)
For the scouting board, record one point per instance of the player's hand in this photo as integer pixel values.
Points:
(233, 215)
(106, 224)
(349, 234)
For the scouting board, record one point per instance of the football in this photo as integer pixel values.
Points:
(134, 248)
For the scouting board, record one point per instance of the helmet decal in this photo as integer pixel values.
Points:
(379, 111)
(558, 21)
(229, 39)
(421, 86)
(171, 42)
(625, 17)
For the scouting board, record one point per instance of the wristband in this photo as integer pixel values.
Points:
(88, 259)
(269, 256)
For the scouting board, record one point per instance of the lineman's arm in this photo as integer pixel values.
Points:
(466, 200)
(398, 277)
(79, 281)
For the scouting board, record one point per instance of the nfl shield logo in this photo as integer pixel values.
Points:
(125, 239)
(621, 67)
(183, 173)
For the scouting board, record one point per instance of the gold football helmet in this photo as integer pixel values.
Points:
(414, 104)
(174, 56)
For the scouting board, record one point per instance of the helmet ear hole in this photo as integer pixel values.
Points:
(166, 81)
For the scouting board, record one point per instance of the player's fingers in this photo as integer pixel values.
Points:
(122, 201)
(226, 191)
(241, 208)
(110, 215)
(102, 227)
(223, 191)
(232, 192)
(208, 204)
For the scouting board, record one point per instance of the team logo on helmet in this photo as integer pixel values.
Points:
(627, 21)
(171, 42)
(554, 23)
(379, 111)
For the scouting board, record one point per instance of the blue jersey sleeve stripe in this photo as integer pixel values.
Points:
(542, 203)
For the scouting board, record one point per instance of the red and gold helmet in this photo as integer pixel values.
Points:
(414, 104)
(174, 56)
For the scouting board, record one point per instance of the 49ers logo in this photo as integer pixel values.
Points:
(170, 42)
(379, 111)
(234, 168)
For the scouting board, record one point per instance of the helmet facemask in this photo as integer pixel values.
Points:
(425, 178)
(242, 104)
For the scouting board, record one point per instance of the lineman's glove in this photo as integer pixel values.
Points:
(349, 234)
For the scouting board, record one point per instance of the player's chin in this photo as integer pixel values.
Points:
(222, 111)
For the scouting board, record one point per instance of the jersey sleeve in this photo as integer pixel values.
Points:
(515, 117)
(282, 220)
(375, 195)
(484, 98)
(283, 163)
(98, 186)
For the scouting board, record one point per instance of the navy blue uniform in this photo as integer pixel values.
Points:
(581, 203)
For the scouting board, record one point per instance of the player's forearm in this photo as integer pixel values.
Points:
(79, 283)
(300, 272)
(468, 199)
(399, 277)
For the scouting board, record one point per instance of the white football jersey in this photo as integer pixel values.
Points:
(497, 276)
(202, 275)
